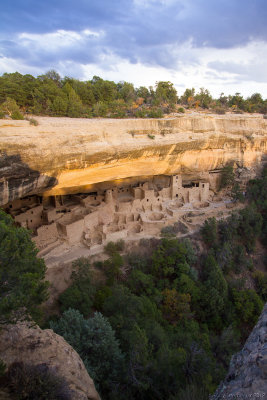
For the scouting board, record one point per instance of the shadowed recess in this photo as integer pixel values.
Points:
(17, 179)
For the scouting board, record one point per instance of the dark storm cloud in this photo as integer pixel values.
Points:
(142, 31)
(40, 16)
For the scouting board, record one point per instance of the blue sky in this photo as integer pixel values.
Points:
(217, 44)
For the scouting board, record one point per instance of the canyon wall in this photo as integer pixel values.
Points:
(63, 155)
(247, 375)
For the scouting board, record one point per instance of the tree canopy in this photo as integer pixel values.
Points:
(22, 285)
(50, 94)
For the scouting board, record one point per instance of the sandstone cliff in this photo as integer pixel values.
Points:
(19, 343)
(64, 155)
(247, 375)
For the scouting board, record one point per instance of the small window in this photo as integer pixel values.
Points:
(10, 205)
(176, 195)
(147, 200)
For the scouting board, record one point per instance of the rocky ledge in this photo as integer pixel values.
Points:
(32, 345)
(247, 375)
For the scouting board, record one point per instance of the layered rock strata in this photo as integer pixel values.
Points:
(66, 156)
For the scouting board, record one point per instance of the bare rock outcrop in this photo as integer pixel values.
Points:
(247, 375)
(73, 155)
(32, 345)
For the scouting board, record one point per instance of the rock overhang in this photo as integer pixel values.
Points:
(66, 155)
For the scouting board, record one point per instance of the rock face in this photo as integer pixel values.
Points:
(247, 375)
(72, 155)
(19, 343)
(16, 178)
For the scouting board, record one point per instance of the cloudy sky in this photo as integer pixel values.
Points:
(217, 44)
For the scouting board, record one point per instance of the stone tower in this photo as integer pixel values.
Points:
(176, 186)
(109, 197)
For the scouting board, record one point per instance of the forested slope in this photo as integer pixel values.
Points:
(49, 94)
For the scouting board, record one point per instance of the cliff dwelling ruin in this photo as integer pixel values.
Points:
(96, 218)
(86, 182)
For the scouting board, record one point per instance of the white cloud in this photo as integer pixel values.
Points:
(219, 70)
(83, 54)
(56, 40)
(10, 65)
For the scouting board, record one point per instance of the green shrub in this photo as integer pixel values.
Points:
(120, 245)
(227, 176)
(169, 259)
(112, 268)
(2, 114)
(142, 113)
(172, 230)
(10, 107)
(209, 232)
(118, 114)
(141, 283)
(219, 111)
(181, 110)
(250, 225)
(238, 112)
(151, 136)
(22, 274)
(80, 294)
(225, 345)
(95, 341)
(155, 113)
(237, 194)
(117, 109)
(168, 231)
(100, 109)
(36, 382)
(33, 121)
(100, 297)
(112, 247)
(192, 392)
(257, 192)
(17, 115)
(248, 306)
(261, 284)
